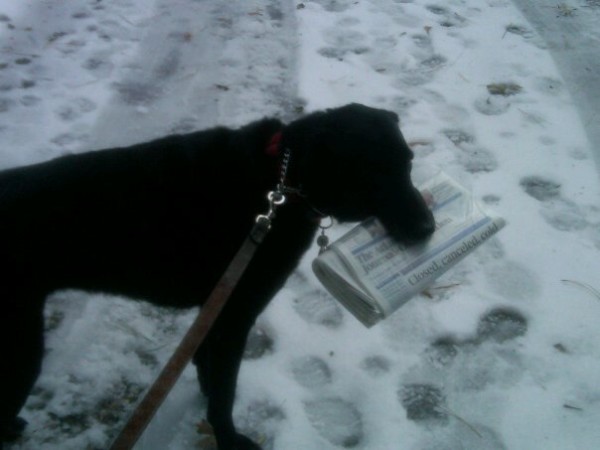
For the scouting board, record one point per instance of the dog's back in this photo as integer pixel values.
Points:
(112, 220)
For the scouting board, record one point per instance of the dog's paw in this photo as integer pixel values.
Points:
(239, 442)
(244, 443)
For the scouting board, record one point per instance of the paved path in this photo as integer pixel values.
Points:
(572, 31)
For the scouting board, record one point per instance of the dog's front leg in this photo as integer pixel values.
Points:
(218, 362)
(218, 359)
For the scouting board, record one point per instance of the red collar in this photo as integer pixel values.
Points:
(274, 145)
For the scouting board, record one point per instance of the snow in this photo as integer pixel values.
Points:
(503, 353)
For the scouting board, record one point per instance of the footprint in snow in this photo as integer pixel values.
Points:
(438, 10)
(442, 352)
(70, 141)
(137, 93)
(258, 344)
(559, 213)
(421, 72)
(492, 105)
(260, 421)
(311, 372)
(452, 368)
(333, 5)
(473, 158)
(491, 199)
(424, 403)
(423, 42)
(447, 18)
(400, 104)
(520, 30)
(318, 307)
(6, 104)
(540, 188)
(344, 41)
(459, 435)
(512, 280)
(169, 66)
(564, 215)
(99, 65)
(501, 325)
(336, 420)
(75, 109)
(376, 365)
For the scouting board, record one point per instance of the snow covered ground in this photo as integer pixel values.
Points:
(502, 354)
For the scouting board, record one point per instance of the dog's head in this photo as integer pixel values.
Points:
(353, 163)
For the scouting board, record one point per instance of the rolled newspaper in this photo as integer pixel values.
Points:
(373, 275)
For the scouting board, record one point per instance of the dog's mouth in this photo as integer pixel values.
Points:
(412, 234)
(418, 233)
(411, 221)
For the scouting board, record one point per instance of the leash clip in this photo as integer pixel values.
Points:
(263, 222)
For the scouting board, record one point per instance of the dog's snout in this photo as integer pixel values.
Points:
(412, 224)
(426, 228)
(420, 230)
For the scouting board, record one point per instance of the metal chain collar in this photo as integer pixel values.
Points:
(277, 198)
(285, 165)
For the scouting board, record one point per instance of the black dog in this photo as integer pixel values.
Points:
(160, 221)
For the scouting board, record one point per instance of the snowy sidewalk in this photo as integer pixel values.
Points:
(571, 31)
(501, 355)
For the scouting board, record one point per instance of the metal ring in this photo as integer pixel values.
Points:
(276, 198)
(322, 227)
(264, 219)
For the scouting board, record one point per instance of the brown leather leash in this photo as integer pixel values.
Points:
(198, 331)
